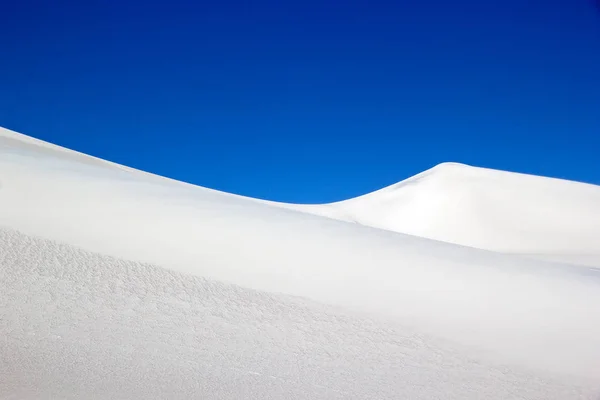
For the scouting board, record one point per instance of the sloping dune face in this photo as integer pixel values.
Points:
(115, 283)
(486, 209)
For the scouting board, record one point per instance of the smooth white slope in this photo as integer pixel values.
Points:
(476, 207)
(77, 325)
(486, 209)
(528, 315)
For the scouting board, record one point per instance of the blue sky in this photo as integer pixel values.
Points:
(308, 101)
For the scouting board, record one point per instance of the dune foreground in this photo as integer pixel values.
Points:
(458, 283)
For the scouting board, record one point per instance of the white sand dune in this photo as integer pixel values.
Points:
(487, 209)
(116, 283)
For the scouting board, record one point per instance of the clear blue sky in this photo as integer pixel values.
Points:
(308, 101)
